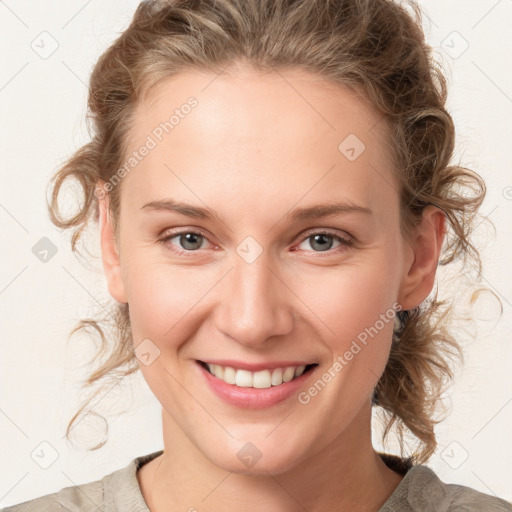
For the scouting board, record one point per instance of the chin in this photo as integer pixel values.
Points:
(258, 458)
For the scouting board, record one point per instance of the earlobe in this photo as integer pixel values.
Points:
(110, 253)
(426, 245)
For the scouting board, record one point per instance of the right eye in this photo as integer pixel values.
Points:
(190, 241)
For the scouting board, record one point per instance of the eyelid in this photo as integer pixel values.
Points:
(328, 231)
(180, 231)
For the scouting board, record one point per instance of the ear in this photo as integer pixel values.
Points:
(424, 250)
(109, 251)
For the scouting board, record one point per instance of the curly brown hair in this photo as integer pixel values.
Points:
(377, 49)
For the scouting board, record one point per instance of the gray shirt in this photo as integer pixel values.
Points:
(419, 490)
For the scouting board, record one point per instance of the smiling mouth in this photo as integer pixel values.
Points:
(260, 379)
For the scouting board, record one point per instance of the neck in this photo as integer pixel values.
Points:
(347, 474)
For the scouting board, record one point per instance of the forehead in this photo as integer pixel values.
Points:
(279, 136)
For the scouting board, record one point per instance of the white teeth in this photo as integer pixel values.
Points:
(299, 370)
(260, 380)
(229, 375)
(218, 371)
(277, 377)
(288, 374)
(243, 379)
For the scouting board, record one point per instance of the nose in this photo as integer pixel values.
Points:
(254, 304)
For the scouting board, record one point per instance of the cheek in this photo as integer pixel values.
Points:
(354, 314)
(354, 303)
(161, 297)
(340, 302)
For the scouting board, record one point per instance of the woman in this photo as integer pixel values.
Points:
(272, 186)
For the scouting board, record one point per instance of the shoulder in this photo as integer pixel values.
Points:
(422, 490)
(85, 497)
(117, 491)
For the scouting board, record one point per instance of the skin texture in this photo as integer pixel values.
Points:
(254, 148)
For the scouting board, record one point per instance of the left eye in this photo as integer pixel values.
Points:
(322, 242)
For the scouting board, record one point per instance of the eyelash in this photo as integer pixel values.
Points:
(345, 242)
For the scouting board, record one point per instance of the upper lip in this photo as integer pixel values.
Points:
(254, 367)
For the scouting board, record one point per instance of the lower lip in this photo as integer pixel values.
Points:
(253, 398)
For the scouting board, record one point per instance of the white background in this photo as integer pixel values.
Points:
(43, 104)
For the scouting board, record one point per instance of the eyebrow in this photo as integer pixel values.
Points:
(311, 212)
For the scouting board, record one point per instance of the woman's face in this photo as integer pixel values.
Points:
(285, 251)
